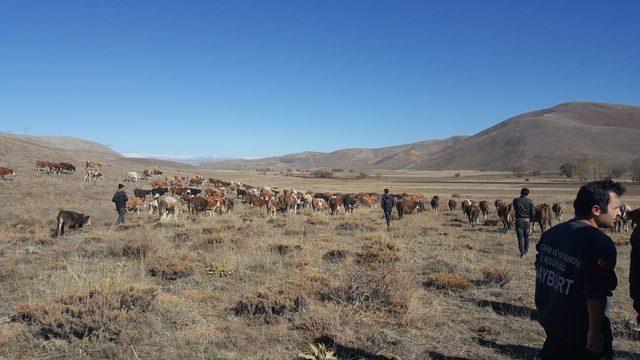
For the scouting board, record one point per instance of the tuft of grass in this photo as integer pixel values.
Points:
(171, 265)
(317, 352)
(220, 269)
(496, 275)
(448, 281)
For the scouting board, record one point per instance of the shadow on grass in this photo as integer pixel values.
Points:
(511, 350)
(438, 356)
(506, 309)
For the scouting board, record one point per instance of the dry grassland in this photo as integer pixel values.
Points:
(243, 286)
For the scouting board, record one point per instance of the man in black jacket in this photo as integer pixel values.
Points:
(386, 202)
(120, 199)
(575, 277)
(634, 272)
(524, 212)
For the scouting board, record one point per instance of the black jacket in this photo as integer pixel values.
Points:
(634, 270)
(120, 198)
(387, 202)
(523, 207)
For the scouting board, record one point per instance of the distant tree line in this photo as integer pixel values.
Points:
(591, 169)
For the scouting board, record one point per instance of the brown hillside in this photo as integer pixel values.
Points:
(545, 139)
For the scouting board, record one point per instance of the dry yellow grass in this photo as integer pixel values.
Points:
(243, 286)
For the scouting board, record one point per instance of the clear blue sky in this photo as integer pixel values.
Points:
(254, 78)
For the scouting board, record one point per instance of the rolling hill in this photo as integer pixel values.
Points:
(541, 140)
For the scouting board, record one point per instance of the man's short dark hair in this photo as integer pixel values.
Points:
(524, 191)
(120, 186)
(386, 191)
(595, 193)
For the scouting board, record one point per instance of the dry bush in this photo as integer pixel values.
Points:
(378, 252)
(93, 313)
(448, 281)
(271, 304)
(284, 249)
(385, 288)
(496, 275)
(172, 264)
(349, 226)
(335, 255)
(456, 195)
(133, 248)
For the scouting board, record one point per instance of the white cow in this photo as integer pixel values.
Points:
(132, 176)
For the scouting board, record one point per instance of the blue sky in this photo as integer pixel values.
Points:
(257, 78)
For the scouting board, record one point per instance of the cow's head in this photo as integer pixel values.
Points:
(85, 219)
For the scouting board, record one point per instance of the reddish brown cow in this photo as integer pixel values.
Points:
(335, 201)
(484, 208)
(542, 217)
(158, 184)
(506, 213)
(408, 206)
(5, 171)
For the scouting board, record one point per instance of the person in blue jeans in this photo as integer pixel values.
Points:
(120, 199)
(386, 202)
(524, 212)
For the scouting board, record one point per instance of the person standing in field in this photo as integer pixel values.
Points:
(524, 212)
(386, 202)
(575, 277)
(120, 199)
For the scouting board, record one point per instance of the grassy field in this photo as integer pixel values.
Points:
(244, 286)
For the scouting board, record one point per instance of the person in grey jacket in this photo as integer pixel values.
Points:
(524, 213)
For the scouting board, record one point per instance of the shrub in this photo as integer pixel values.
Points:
(448, 281)
(92, 313)
(172, 265)
(362, 175)
(496, 275)
(321, 173)
(457, 175)
(271, 304)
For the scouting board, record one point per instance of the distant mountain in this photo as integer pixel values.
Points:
(191, 160)
(538, 140)
(392, 157)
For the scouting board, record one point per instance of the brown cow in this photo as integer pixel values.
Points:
(464, 205)
(71, 219)
(5, 171)
(335, 201)
(407, 206)
(484, 208)
(506, 213)
(558, 210)
(158, 184)
(92, 175)
(319, 204)
(474, 214)
(498, 203)
(255, 200)
(134, 204)
(178, 189)
(622, 221)
(453, 204)
(542, 217)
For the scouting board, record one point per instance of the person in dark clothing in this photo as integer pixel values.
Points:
(386, 202)
(524, 210)
(120, 199)
(634, 272)
(575, 277)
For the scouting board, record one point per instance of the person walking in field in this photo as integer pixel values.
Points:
(575, 277)
(120, 199)
(386, 202)
(634, 273)
(524, 212)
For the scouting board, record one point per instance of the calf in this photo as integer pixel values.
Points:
(159, 191)
(558, 210)
(142, 194)
(452, 204)
(542, 217)
(196, 204)
(484, 208)
(66, 167)
(435, 203)
(4, 171)
(334, 203)
(168, 204)
(349, 202)
(71, 219)
(92, 175)
(506, 213)
(319, 204)
(134, 204)
(474, 214)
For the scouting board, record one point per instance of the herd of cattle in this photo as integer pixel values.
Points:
(173, 194)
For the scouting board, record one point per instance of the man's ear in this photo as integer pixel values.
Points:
(595, 210)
